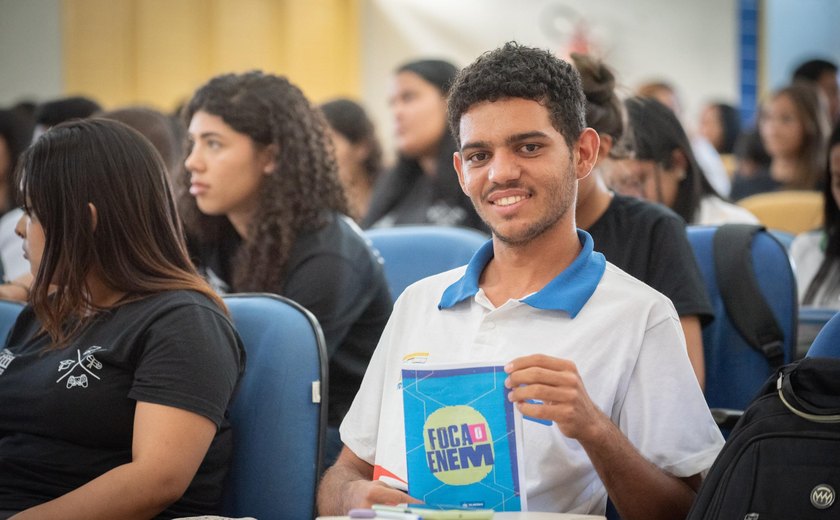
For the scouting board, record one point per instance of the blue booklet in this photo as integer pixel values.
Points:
(463, 437)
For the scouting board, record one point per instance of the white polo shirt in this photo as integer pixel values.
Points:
(624, 337)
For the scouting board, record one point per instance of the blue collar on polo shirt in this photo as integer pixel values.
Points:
(568, 291)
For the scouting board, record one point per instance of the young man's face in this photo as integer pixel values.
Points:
(517, 168)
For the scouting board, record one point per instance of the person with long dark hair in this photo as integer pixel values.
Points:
(720, 124)
(793, 129)
(666, 170)
(816, 255)
(116, 377)
(422, 188)
(357, 152)
(266, 213)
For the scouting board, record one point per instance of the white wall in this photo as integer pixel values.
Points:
(30, 50)
(799, 31)
(691, 43)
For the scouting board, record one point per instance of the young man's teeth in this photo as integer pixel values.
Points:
(507, 201)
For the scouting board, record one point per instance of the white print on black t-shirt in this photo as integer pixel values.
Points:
(6, 358)
(77, 381)
(84, 361)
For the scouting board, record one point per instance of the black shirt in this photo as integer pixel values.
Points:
(648, 241)
(67, 415)
(335, 274)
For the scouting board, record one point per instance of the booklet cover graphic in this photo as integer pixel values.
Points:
(462, 437)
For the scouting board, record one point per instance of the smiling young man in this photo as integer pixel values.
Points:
(603, 353)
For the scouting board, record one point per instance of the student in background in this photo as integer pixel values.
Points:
(116, 378)
(626, 416)
(644, 239)
(752, 165)
(709, 159)
(56, 111)
(823, 75)
(421, 188)
(157, 128)
(15, 136)
(666, 170)
(357, 152)
(816, 255)
(265, 212)
(721, 126)
(793, 130)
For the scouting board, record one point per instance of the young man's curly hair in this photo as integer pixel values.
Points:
(295, 198)
(516, 71)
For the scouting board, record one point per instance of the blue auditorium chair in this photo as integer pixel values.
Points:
(9, 311)
(811, 322)
(827, 342)
(735, 371)
(412, 253)
(278, 414)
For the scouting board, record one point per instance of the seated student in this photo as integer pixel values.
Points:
(357, 152)
(116, 378)
(629, 418)
(421, 187)
(816, 255)
(667, 171)
(645, 240)
(793, 129)
(267, 213)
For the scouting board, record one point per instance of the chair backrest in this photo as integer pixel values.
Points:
(812, 320)
(412, 253)
(791, 211)
(827, 342)
(278, 414)
(9, 311)
(734, 370)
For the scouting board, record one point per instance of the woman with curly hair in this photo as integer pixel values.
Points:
(266, 213)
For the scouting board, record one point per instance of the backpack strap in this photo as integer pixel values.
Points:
(745, 305)
(799, 406)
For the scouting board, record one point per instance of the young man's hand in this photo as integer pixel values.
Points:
(557, 384)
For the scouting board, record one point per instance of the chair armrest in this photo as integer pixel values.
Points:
(726, 418)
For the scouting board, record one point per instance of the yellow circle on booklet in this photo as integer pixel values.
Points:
(459, 446)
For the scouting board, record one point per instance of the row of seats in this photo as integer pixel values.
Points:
(279, 413)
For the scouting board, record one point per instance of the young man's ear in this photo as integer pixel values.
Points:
(457, 162)
(586, 148)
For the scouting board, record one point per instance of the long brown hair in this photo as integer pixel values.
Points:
(810, 163)
(296, 196)
(134, 246)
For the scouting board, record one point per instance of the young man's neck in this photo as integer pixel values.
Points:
(594, 202)
(519, 270)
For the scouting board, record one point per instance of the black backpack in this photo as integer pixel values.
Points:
(782, 460)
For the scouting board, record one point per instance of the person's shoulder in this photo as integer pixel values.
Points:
(806, 242)
(643, 210)
(715, 211)
(166, 301)
(619, 287)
